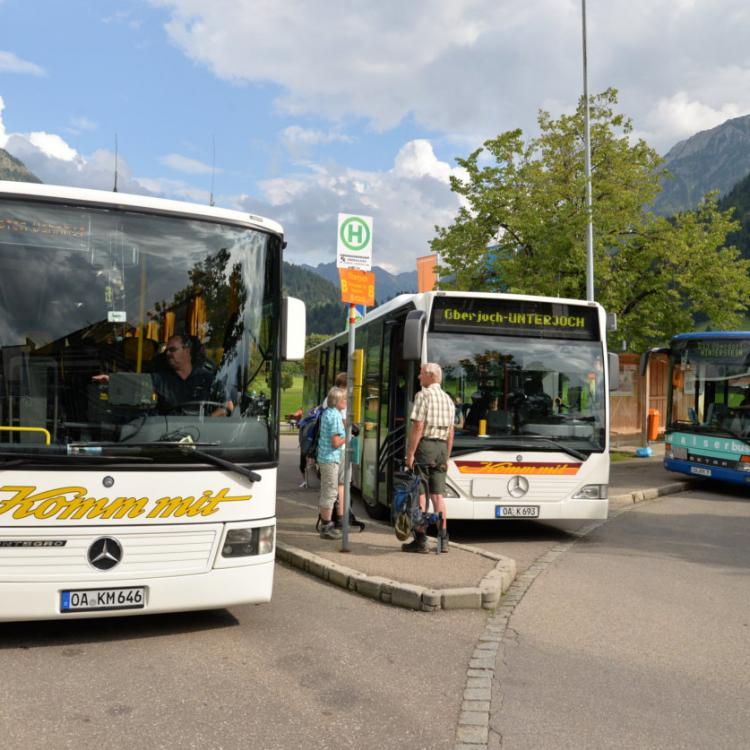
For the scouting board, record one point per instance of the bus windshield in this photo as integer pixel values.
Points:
(512, 390)
(711, 386)
(136, 335)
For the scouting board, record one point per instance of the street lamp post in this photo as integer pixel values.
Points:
(587, 146)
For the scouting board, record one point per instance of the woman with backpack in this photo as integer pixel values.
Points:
(331, 440)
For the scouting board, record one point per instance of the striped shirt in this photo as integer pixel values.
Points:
(434, 407)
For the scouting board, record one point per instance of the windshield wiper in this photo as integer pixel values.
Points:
(473, 447)
(560, 446)
(186, 449)
(209, 458)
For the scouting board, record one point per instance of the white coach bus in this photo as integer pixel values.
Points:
(140, 350)
(530, 377)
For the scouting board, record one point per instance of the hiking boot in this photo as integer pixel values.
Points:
(329, 531)
(442, 541)
(419, 545)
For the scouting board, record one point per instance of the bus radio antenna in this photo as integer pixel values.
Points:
(114, 189)
(213, 170)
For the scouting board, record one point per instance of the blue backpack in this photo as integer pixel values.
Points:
(309, 432)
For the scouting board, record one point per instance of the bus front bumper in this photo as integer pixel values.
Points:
(218, 588)
(564, 510)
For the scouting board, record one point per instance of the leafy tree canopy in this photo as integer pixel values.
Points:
(522, 228)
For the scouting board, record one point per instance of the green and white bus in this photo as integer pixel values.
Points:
(708, 405)
(530, 377)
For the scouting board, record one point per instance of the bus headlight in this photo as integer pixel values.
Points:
(450, 491)
(246, 542)
(592, 492)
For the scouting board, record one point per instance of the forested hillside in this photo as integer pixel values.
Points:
(325, 311)
(739, 199)
(714, 159)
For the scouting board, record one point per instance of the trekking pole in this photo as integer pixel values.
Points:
(439, 540)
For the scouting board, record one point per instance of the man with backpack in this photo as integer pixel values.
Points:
(430, 445)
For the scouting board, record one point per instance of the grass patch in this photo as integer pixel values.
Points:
(615, 456)
(291, 398)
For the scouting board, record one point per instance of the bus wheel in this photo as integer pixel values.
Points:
(375, 509)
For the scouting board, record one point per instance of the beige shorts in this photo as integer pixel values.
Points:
(329, 484)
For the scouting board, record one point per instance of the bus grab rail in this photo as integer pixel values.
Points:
(47, 435)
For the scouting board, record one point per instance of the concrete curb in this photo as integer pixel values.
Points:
(410, 596)
(639, 496)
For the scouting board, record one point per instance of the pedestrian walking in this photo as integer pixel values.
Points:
(430, 445)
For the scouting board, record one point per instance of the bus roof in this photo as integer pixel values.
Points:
(695, 335)
(128, 201)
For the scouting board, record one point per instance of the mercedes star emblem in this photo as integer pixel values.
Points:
(104, 553)
(518, 486)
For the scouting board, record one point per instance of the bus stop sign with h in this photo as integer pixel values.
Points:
(354, 261)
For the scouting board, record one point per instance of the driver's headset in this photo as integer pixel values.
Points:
(194, 346)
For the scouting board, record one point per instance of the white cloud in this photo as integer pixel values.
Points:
(417, 159)
(11, 63)
(187, 165)
(81, 123)
(682, 117)
(174, 189)
(52, 145)
(405, 202)
(473, 68)
(55, 162)
(299, 141)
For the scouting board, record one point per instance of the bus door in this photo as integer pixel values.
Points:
(397, 374)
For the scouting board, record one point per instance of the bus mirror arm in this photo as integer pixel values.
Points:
(614, 371)
(413, 332)
(647, 355)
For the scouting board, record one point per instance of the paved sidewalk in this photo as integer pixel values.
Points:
(467, 577)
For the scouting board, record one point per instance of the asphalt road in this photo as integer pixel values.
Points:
(637, 637)
(315, 668)
(634, 636)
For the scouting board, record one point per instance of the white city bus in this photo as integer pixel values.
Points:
(530, 377)
(133, 481)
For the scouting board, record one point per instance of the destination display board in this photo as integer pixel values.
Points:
(728, 351)
(507, 317)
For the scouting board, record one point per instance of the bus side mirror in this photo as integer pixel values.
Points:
(413, 331)
(292, 328)
(614, 371)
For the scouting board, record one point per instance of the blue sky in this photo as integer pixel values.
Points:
(321, 106)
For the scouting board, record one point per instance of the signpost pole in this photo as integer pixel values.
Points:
(354, 261)
(348, 452)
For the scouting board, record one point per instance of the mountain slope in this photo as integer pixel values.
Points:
(713, 159)
(325, 312)
(739, 199)
(14, 170)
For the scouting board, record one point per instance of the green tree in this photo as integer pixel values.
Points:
(522, 227)
(287, 379)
